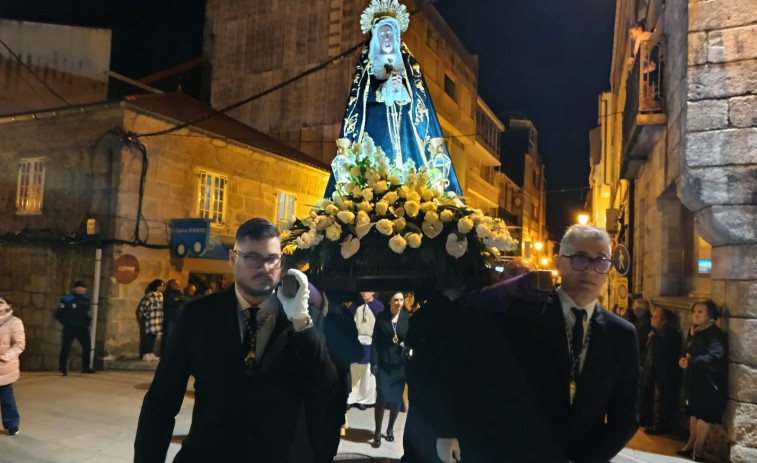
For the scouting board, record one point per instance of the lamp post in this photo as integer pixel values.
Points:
(583, 219)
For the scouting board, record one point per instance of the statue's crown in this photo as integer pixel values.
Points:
(381, 8)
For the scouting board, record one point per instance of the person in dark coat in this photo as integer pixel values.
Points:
(388, 363)
(662, 374)
(257, 363)
(173, 300)
(325, 419)
(73, 314)
(429, 330)
(643, 323)
(706, 365)
(544, 382)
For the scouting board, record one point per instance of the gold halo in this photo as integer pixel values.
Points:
(381, 8)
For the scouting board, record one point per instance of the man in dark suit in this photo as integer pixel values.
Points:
(580, 363)
(256, 360)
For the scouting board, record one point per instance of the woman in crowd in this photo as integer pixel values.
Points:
(12, 343)
(150, 317)
(705, 364)
(388, 363)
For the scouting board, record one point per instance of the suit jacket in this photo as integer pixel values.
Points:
(236, 418)
(604, 413)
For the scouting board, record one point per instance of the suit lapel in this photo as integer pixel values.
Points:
(276, 343)
(555, 320)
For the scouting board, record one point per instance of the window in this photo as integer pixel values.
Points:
(212, 196)
(285, 203)
(449, 87)
(31, 186)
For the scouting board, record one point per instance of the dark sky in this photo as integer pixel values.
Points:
(549, 59)
(546, 58)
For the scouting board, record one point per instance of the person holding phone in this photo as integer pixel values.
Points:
(256, 360)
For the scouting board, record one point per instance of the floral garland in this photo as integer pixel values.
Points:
(376, 208)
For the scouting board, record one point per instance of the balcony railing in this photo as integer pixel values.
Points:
(644, 112)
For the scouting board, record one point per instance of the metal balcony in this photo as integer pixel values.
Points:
(644, 118)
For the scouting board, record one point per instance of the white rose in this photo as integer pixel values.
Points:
(454, 247)
(397, 244)
(367, 194)
(334, 232)
(400, 224)
(413, 240)
(347, 205)
(331, 209)
(394, 180)
(412, 208)
(350, 246)
(385, 226)
(464, 225)
(446, 216)
(303, 241)
(432, 229)
(346, 216)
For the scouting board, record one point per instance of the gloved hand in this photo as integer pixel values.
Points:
(448, 450)
(374, 370)
(296, 307)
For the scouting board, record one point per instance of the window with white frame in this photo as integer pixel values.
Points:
(212, 197)
(31, 186)
(285, 203)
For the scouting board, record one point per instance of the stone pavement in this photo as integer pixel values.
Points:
(93, 418)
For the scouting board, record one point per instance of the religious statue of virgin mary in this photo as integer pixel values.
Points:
(390, 101)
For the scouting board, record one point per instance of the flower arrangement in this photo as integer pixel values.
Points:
(381, 219)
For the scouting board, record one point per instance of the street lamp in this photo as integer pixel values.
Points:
(544, 262)
(583, 219)
(538, 245)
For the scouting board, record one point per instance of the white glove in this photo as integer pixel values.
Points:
(296, 307)
(448, 450)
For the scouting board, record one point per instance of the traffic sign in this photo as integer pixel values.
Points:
(622, 285)
(621, 259)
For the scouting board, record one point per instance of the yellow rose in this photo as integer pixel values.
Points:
(400, 224)
(380, 187)
(446, 216)
(403, 191)
(413, 240)
(331, 209)
(334, 232)
(381, 207)
(365, 206)
(385, 226)
(393, 180)
(464, 225)
(397, 244)
(367, 194)
(431, 216)
(413, 196)
(391, 197)
(362, 219)
(427, 194)
(346, 216)
(428, 206)
(356, 172)
(412, 208)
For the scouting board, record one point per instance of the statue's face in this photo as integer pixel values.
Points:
(386, 39)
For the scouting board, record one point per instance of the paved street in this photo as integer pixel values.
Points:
(92, 419)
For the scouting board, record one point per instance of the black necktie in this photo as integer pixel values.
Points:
(249, 341)
(577, 340)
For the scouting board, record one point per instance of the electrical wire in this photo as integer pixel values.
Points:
(20, 60)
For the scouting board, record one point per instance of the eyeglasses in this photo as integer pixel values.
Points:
(580, 262)
(257, 261)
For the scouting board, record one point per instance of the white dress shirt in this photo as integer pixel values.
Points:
(268, 307)
(570, 319)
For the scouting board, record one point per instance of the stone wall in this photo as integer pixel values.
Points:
(719, 182)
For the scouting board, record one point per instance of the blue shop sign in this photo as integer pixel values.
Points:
(189, 237)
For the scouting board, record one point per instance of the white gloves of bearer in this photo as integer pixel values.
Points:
(296, 308)
(448, 450)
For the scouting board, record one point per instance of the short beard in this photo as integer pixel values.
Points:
(255, 293)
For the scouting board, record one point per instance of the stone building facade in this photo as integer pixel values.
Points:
(89, 172)
(677, 182)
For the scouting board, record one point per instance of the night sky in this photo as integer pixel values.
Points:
(548, 59)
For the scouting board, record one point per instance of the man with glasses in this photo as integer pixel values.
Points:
(257, 364)
(579, 362)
